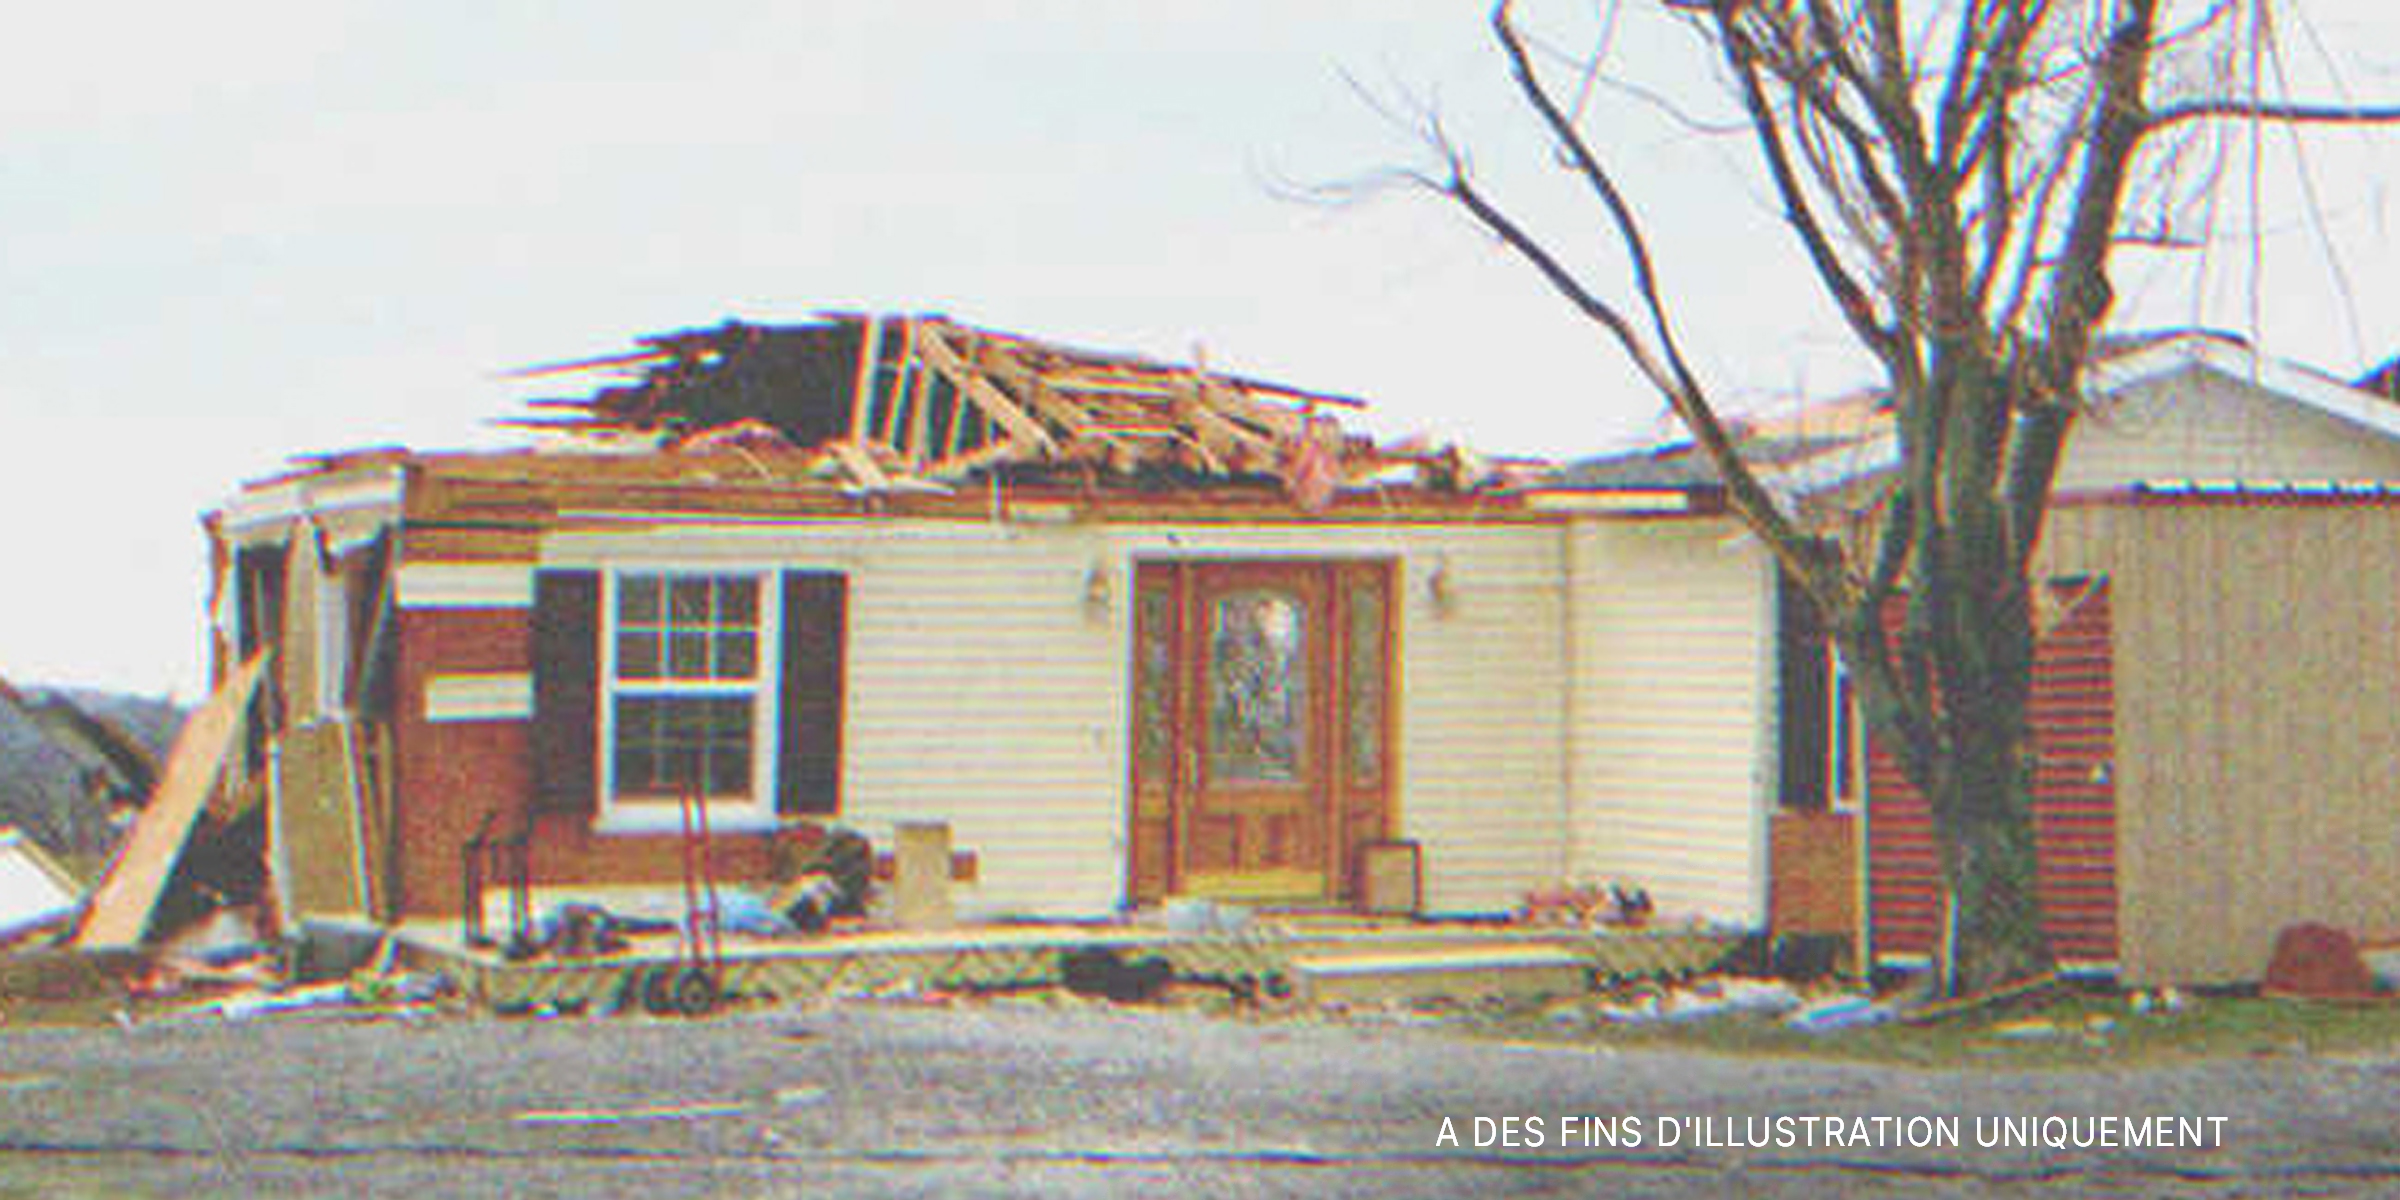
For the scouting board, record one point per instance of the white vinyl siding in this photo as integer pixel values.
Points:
(988, 683)
(2201, 424)
(1674, 713)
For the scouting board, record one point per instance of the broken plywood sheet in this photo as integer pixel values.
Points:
(313, 824)
(121, 906)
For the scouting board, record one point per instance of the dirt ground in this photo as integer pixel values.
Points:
(1005, 1098)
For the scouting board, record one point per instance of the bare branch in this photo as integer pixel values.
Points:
(1849, 297)
(1665, 367)
(2226, 108)
(2080, 294)
(2033, 228)
(1790, 58)
(1579, 154)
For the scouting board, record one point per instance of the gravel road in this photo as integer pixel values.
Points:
(891, 1100)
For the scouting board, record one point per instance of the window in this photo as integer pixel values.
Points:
(688, 705)
(1848, 786)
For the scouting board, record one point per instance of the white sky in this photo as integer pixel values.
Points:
(234, 232)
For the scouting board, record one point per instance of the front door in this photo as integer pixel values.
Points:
(1254, 821)
(1260, 736)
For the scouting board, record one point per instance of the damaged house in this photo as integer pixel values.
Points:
(1128, 630)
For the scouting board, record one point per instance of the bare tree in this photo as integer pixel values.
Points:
(1958, 178)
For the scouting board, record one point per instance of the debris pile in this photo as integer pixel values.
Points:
(1700, 999)
(926, 403)
(1587, 906)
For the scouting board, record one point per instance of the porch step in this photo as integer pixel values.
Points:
(1464, 974)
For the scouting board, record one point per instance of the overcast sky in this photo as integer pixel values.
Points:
(233, 232)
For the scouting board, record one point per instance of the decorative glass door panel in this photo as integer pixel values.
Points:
(1257, 817)
(1257, 688)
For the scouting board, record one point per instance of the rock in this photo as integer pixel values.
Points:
(2317, 962)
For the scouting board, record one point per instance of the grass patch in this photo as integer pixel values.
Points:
(2061, 1029)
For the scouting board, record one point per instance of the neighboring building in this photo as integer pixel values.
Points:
(2217, 700)
(1131, 630)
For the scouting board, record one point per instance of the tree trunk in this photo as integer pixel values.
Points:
(1975, 626)
(1983, 821)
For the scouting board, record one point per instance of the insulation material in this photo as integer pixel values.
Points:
(313, 825)
(121, 906)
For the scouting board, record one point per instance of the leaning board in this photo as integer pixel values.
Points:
(121, 906)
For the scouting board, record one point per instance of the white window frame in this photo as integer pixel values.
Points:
(1845, 738)
(725, 814)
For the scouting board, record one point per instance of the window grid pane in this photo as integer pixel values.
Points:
(667, 742)
(684, 689)
(700, 628)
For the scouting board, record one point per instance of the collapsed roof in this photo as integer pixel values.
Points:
(900, 403)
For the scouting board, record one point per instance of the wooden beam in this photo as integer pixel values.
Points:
(1045, 400)
(995, 404)
(1116, 384)
(861, 465)
(958, 466)
(1233, 402)
(1218, 434)
(888, 430)
(919, 416)
(958, 426)
(862, 388)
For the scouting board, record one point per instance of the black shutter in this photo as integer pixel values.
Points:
(566, 690)
(1806, 670)
(809, 752)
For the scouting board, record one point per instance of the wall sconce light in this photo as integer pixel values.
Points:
(1096, 589)
(1438, 590)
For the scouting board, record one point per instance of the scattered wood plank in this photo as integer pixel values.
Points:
(119, 911)
(861, 465)
(1926, 1014)
(920, 417)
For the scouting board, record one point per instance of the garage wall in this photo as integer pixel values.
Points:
(2257, 653)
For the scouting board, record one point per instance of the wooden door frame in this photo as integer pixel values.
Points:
(1157, 861)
